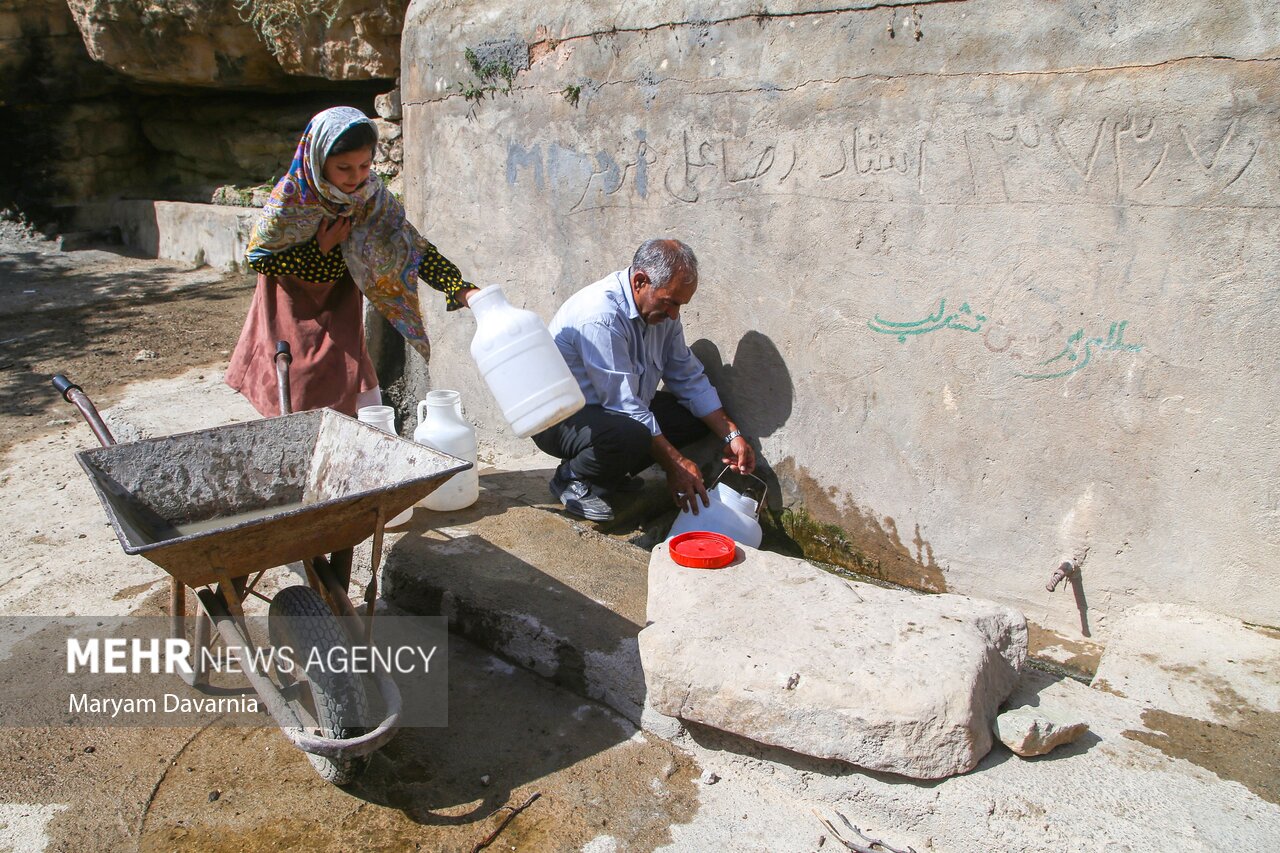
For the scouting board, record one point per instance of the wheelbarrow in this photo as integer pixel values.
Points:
(218, 508)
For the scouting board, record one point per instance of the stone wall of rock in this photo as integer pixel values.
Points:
(990, 282)
(57, 107)
(172, 99)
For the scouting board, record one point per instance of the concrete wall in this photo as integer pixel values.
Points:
(198, 234)
(992, 282)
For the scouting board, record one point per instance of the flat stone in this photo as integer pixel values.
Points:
(776, 650)
(1192, 663)
(1029, 732)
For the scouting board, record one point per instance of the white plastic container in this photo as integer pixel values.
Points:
(731, 513)
(384, 418)
(442, 427)
(521, 364)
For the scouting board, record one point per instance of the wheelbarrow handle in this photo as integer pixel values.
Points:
(64, 385)
(283, 358)
(74, 394)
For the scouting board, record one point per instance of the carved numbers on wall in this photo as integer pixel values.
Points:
(1129, 159)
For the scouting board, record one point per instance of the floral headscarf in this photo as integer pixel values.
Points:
(383, 250)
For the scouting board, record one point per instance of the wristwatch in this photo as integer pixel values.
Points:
(728, 439)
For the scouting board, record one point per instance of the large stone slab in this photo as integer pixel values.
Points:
(776, 650)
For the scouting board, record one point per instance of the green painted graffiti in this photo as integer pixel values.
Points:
(1079, 350)
(1074, 357)
(938, 320)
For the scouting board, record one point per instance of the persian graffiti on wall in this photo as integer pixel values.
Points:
(1076, 354)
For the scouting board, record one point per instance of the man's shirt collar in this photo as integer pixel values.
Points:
(633, 312)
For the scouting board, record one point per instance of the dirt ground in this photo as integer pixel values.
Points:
(116, 324)
(104, 319)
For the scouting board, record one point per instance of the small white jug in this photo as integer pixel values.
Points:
(384, 418)
(731, 513)
(442, 427)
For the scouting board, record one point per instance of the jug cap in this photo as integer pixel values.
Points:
(702, 549)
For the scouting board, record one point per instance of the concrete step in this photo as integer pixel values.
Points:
(514, 574)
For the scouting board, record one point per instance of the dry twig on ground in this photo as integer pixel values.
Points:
(514, 810)
(867, 845)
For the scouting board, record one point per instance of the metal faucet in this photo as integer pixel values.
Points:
(1065, 569)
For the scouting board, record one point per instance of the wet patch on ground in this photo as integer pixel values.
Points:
(1079, 658)
(510, 734)
(1246, 751)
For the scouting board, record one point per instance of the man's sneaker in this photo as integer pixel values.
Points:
(579, 500)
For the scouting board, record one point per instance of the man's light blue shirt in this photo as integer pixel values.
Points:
(619, 359)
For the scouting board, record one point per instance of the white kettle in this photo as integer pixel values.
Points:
(731, 513)
(442, 427)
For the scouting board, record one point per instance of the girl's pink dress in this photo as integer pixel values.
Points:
(324, 325)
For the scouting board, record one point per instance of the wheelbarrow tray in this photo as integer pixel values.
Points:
(237, 499)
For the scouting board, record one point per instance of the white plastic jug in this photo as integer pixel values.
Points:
(384, 418)
(441, 426)
(520, 362)
(731, 513)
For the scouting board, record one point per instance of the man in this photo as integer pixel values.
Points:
(621, 337)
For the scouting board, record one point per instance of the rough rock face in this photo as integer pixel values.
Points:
(184, 96)
(778, 651)
(205, 43)
(177, 42)
(59, 110)
(361, 43)
(41, 56)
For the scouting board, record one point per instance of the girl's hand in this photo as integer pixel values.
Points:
(332, 232)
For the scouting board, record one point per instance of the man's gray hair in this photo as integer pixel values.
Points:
(662, 260)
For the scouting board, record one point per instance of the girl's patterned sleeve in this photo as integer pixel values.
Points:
(305, 261)
(439, 273)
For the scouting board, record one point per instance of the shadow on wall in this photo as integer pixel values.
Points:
(756, 388)
(759, 394)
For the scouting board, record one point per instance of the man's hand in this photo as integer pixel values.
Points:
(684, 482)
(332, 232)
(739, 456)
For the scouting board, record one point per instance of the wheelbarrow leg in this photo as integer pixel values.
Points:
(177, 609)
(340, 562)
(204, 632)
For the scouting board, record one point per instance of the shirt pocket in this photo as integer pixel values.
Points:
(651, 375)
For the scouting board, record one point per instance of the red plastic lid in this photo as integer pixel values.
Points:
(702, 549)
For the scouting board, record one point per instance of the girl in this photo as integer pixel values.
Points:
(330, 232)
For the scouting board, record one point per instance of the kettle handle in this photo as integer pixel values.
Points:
(764, 487)
(422, 412)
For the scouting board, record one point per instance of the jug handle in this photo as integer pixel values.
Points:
(764, 487)
(422, 412)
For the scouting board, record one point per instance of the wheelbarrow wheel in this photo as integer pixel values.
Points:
(299, 618)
